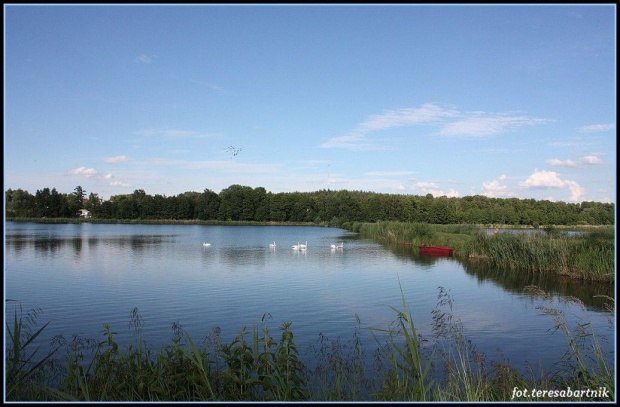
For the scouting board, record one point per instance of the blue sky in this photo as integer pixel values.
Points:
(502, 101)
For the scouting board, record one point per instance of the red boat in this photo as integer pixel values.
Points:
(443, 251)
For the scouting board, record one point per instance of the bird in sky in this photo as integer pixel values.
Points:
(233, 150)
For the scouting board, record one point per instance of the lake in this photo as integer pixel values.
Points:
(83, 275)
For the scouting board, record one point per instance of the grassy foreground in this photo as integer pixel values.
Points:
(256, 366)
(589, 256)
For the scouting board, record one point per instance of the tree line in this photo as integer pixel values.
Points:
(243, 203)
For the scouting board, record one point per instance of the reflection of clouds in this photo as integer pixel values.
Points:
(173, 277)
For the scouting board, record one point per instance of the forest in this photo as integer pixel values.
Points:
(243, 203)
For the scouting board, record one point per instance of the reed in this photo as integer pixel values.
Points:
(26, 374)
(586, 257)
(339, 372)
(397, 232)
(408, 379)
(589, 256)
(584, 364)
(257, 367)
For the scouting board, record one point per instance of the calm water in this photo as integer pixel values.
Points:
(84, 275)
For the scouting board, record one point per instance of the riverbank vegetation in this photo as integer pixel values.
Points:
(589, 255)
(260, 366)
(388, 218)
(243, 203)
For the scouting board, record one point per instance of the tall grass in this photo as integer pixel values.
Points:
(395, 232)
(584, 364)
(408, 377)
(339, 371)
(25, 373)
(589, 256)
(255, 366)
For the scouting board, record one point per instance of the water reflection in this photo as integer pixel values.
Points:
(235, 256)
(51, 245)
(84, 276)
(410, 252)
(586, 291)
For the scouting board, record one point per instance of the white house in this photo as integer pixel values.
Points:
(84, 213)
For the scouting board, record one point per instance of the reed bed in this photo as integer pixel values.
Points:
(589, 256)
(256, 366)
(586, 257)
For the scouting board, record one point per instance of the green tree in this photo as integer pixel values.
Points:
(207, 205)
(237, 203)
(19, 203)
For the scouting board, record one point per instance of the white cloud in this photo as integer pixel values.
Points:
(405, 117)
(594, 128)
(565, 163)
(493, 189)
(474, 124)
(590, 160)
(426, 185)
(144, 59)
(119, 184)
(434, 189)
(576, 190)
(482, 125)
(356, 140)
(115, 160)
(212, 86)
(349, 142)
(107, 176)
(543, 179)
(83, 171)
(550, 179)
(587, 160)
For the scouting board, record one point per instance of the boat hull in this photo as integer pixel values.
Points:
(437, 251)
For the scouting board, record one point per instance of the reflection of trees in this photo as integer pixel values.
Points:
(515, 281)
(93, 242)
(77, 244)
(15, 243)
(238, 256)
(49, 246)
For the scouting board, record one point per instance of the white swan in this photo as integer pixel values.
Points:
(206, 244)
(304, 246)
(340, 246)
(272, 245)
(296, 246)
